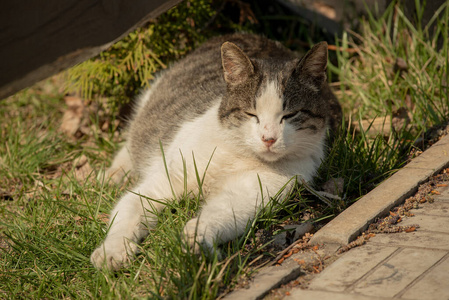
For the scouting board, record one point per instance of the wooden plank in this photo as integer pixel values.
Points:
(39, 38)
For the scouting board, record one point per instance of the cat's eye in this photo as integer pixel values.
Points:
(252, 115)
(289, 116)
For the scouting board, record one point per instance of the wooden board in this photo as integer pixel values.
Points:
(39, 38)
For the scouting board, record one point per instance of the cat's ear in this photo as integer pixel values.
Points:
(237, 67)
(313, 65)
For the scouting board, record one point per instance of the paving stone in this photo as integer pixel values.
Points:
(417, 239)
(438, 208)
(350, 267)
(444, 193)
(435, 157)
(322, 295)
(266, 280)
(398, 272)
(432, 286)
(351, 222)
(428, 223)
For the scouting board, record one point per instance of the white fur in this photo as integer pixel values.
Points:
(121, 166)
(238, 159)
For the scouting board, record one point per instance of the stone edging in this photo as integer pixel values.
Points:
(393, 191)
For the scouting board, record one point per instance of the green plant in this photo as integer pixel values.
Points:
(371, 82)
(130, 64)
(373, 88)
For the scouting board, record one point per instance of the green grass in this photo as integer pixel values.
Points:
(51, 219)
(370, 89)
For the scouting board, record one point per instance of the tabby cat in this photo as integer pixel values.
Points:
(241, 109)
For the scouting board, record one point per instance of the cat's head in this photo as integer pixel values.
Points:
(275, 106)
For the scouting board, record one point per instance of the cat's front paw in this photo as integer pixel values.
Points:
(110, 257)
(195, 237)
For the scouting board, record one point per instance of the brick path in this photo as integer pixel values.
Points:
(411, 265)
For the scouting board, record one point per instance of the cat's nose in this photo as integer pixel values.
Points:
(268, 141)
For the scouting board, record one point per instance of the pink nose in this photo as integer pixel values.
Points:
(269, 141)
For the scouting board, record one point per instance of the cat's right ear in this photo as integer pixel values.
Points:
(312, 66)
(237, 67)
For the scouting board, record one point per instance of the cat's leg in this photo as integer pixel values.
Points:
(130, 221)
(227, 214)
(121, 166)
(126, 230)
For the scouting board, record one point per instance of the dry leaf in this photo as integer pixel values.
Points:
(400, 65)
(401, 119)
(288, 254)
(103, 217)
(316, 269)
(71, 120)
(80, 161)
(82, 173)
(82, 168)
(411, 229)
(409, 103)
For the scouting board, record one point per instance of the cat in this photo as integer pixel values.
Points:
(241, 109)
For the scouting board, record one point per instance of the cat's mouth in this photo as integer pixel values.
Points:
(270, 154)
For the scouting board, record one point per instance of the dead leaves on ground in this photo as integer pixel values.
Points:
(361, 240)
(71, 120)
(77, 119)
(389, 224)
(299, 245)
(426, 193)
(85, 121)
(78, 131)
(312, 259)
(82, 168)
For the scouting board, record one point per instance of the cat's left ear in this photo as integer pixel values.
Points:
(237, 66)
(313, 65)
